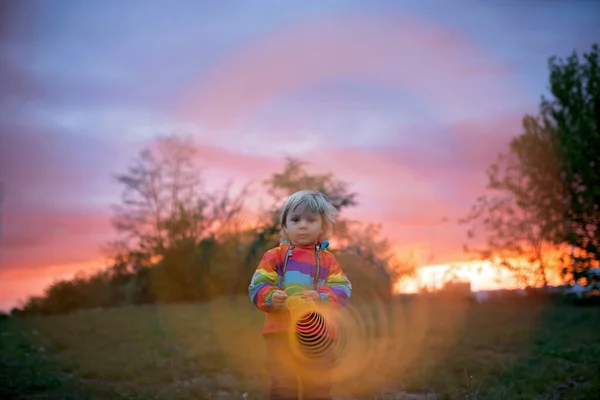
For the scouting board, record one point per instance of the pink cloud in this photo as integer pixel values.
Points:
(240, 166)
(439, 66)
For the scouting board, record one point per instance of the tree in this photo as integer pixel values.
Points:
(548, 184)
(571, 118)
(369, 259)
(164, 205)
(168, 222)
(294, 177)
(160, 193)
(517, 220)
(366, 256)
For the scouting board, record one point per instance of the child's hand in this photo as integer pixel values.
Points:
(312, 294)
(278, 299)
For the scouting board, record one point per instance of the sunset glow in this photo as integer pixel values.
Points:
(401, 102)
(482, 275)
(20, 283)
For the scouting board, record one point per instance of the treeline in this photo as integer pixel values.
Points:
(541, 216)
(179, 243)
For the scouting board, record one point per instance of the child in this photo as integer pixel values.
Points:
(300, 262)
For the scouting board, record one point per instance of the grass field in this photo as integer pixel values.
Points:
(431, 349)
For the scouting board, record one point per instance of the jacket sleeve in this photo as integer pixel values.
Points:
(337, 288)
(264, 282)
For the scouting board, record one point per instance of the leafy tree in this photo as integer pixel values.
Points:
(547, 186)
(164, 221)
(571, 118)
(518, 237)
(367, 257)
(280, 185)
(161, 202)
(164, 204)
(294, 177)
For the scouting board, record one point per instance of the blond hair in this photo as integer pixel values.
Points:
(316, 202)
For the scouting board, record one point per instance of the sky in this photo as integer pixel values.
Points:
(408, 102)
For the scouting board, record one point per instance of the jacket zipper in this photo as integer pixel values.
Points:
(281, 280)
(317, 250)
(288, 254)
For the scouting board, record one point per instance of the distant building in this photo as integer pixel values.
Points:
(588, 286)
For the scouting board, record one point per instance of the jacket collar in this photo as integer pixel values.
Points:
(322, 243)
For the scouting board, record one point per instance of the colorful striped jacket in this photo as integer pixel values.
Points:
(333, 286)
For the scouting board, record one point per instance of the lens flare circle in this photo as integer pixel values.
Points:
(312, 333)
(350, 338)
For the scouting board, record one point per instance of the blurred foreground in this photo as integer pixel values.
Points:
(418, 347)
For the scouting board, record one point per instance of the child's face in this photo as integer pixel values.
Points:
(303, 226)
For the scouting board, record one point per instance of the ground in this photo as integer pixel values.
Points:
(412, 349)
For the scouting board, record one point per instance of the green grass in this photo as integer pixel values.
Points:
(432, 349)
